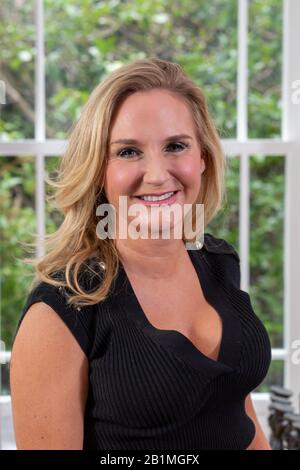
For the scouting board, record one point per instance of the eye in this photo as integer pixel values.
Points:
(122, 152)
(130, 152)
(180, 146)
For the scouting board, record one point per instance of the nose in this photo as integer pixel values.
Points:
(156, 169)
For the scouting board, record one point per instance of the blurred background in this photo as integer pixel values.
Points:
(244, 56)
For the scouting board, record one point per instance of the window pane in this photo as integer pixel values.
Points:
(89, 39)
(18, 226)
(275, 376)
(53, 216)
(265, 56)
(226, 223)
(17, 36)
(266, 242)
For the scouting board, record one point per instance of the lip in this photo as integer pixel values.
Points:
(156, 194)
(168, 201)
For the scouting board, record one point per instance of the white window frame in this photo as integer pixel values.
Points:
(288, 145)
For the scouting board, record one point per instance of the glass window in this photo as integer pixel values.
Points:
(266, 242)
(96, 37)
(17, 39)
(265, 60)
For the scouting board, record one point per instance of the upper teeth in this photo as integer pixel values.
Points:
(157, 198)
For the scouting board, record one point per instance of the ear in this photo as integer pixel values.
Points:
(202, 165)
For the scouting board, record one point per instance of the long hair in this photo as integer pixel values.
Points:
(75, 249)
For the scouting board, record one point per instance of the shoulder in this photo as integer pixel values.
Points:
(79, 320)
(42, 330)
(223, 259)
(216, 245)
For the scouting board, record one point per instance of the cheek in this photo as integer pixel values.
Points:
(190, 172)
(119, 179)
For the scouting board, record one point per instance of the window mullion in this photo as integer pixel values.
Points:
(242, 72)
(40, 124)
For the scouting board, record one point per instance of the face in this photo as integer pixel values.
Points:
(153, 151)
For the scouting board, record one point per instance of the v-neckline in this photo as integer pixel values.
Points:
(174, 340)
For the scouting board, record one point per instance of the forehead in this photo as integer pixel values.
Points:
(158, 111)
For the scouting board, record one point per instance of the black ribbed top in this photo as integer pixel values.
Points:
(152, 389)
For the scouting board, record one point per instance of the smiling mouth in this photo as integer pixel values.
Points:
(164, 198)
(157, 197)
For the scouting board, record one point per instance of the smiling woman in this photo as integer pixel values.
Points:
(132, 343)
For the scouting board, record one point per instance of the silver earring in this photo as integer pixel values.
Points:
(102, 265)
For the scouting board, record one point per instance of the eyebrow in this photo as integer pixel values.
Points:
(136, 142)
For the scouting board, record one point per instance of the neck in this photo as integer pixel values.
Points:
(150, 258)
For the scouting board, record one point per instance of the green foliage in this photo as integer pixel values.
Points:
(266, 242)
(265, 58)
(17, 225)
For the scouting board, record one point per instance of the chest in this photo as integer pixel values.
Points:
(157, 375)
(180, 305)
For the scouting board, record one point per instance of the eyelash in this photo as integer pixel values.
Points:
(172, 143)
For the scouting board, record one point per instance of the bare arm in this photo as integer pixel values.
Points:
(260, 442)
(49, 383)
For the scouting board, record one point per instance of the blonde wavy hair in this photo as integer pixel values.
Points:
(75, 250)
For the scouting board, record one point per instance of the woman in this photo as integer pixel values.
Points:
(138, 343)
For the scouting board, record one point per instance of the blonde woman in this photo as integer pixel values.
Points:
(138, 343)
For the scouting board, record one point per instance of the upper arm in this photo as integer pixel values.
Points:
(49, 382)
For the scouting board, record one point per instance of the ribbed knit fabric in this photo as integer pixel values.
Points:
(152, 389)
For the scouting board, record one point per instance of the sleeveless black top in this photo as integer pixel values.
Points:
(152, 389)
